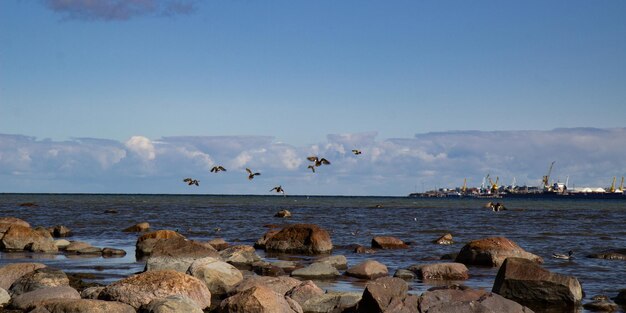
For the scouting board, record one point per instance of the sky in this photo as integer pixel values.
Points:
(132, 96)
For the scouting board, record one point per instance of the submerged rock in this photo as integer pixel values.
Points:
(444, 240)
(137, 228)
(283, 213)
(388, 242)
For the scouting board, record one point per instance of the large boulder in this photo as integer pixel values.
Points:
(526, 282)
(300, 238)
(260, 243)
(172, 304)
(381, 293)
(145, 243)
(220, 277)
(446, 299)
(11, 272)
(138, 290)
(388, 242)
(19, 238)
(332, 302)
(442, 271)
(240, 255)
(492, 251)
(259, 299)
(181, 247)
(7, 221)
(86, 306)
(369, 269)
(39, 279)
(306, 290)
(281, 285)
(29, 300)
(316, 271)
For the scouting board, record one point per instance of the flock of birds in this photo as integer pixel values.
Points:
(317, 162)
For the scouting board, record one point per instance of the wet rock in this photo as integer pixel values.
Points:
(137, 228)
(159, 263)
(300, 238)
(316, 271)
(368, 269)
(260, 243)
(526, 282)
(602, 304)
(61, 244)
(12, 272)
(19, 238)
(29, 300)
(340, 262)
(43, 231)
(363, 250)
(610, 255)
(172, 304)
(332, 302)
(220, 277)
(4, 297)
(113, 252)
(145, 243)
(59, 231)
(138, 290)
(467, 300)
(218, 243)
(380, 293)
(283, 213)
(444, 240)
(76, 246)
(259, 299)
(86, 305)
(492, 251)
(240, 255)
(621, 297)
(267, 269)
(442, 271)
(388, 242)
(404, 274)
(183, 248)
(306, 290)
(280, 285)
(38, 279)
(91, 292)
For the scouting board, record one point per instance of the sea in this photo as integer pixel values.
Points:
(540, 226)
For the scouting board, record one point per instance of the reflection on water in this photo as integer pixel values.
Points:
(539, 226)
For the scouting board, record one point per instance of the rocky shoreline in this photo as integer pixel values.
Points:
(183, 275)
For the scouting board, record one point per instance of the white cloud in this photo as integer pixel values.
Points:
(142, 147)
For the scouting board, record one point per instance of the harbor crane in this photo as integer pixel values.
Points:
(612, 189)
(546, 178)
(494, 186)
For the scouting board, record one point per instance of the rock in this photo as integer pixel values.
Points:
(159, 263)
(266, 269)
(240, 255)
(59, 231)
(145, 243)
(448, 299)
(380, 293)
(18, 238)
(43, 231)
(12, 272)
(526, 282)
(110, 211)
(137, 228)
(332, 302)
(29, 300)
(172, 304)
(287, 266)
(181, 247)
(620, 299)
(13, 221)
(444, 240)
(220, 277)
(368, 269)
(86, 306)
(38, 279)
(29, 205)
(260, 243)
(218, 243)
(61, 244)
(449, 256)
(283, 213)
(300, 238)
(442, 271)
(340, 262)
(492, 252)
(76, 246)
(404, 274)
(4, 297)
(601, 305)
(258, 299)
(91, 292)
(113, 252)
(281, 285)
(610, 255)
(316, 271)
(306, 290)
(90, 250)
(388, 242)
(364, 250)
(138, 290)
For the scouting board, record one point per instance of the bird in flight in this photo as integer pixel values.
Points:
(218, 168)
(312, 168)
(318, 161)
(279, 189)
(250, 174)
(356, 152)
(190, 181)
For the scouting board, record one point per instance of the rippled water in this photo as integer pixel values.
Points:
(539, 226)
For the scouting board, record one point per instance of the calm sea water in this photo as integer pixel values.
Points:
(539, 226)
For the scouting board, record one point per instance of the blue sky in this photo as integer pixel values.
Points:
(290, 77)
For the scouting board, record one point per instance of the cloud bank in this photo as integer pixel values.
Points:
(110, 10)
(396, 166)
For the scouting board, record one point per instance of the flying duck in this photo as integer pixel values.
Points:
(190, 181)
(279, 189)
(356, 152)
(218, 168)
(250, 174)
(318, 161)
